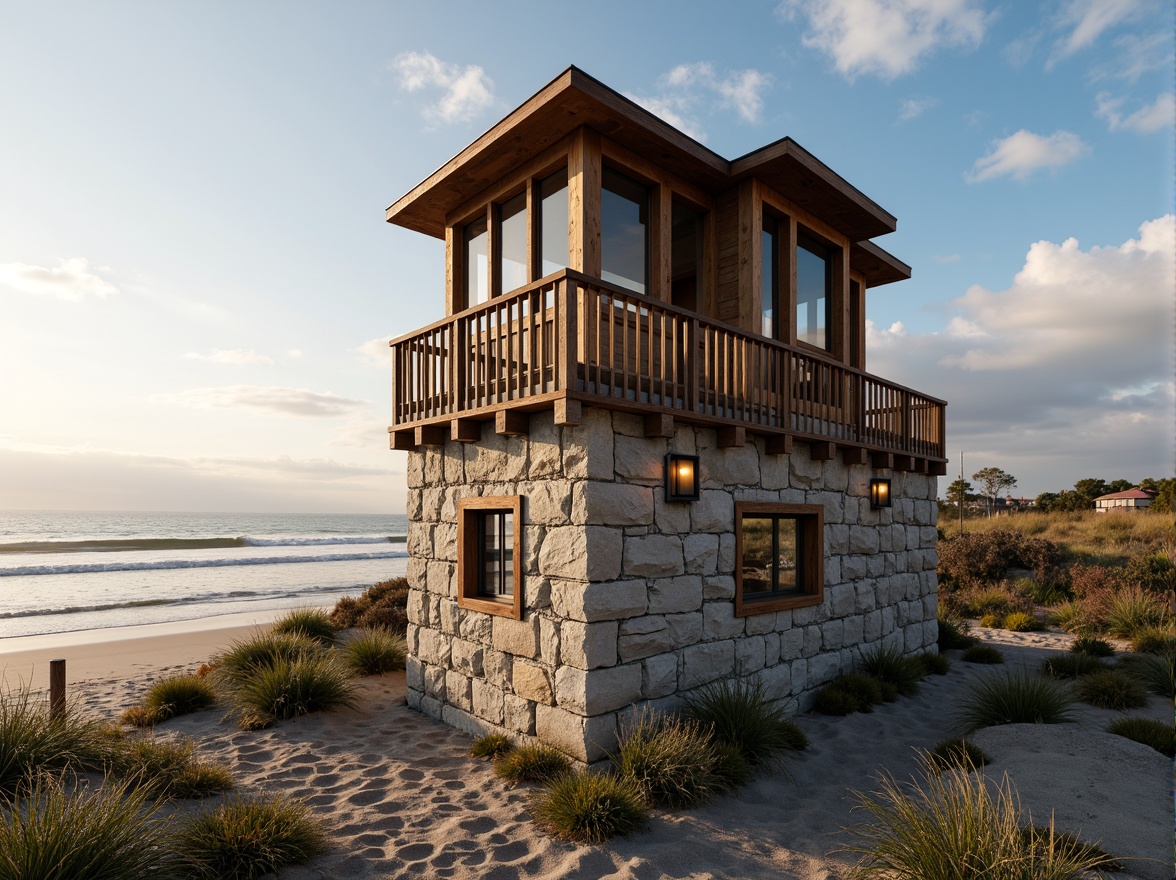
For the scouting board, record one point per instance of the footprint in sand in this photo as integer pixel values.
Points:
(415, 852)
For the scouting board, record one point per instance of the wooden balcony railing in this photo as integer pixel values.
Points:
(571, 337)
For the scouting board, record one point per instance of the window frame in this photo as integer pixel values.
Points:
(649, 192)
(470, 515)
(817, 246)
(811, 571)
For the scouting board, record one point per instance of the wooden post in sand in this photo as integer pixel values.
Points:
(56, 688)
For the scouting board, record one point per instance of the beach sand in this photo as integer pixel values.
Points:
(400, 796)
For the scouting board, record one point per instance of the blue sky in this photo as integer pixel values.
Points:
(196, 277)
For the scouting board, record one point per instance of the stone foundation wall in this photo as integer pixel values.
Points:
(628, 599)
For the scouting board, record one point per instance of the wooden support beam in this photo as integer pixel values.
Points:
(512, 421)
(855, 455)
(56, 688)
(937, 468)
(465, 430)
(402, 440)
(659, 425)
(568, 413)
(882, 460)
(822, 450)
(904, 463)
(778, 444)
(429, 435)
(920, 466)
(731, 437)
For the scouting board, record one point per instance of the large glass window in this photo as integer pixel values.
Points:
(685, 256)
(624, 231)
(780, 548)
(477, 264)
(512, 230)
(553, 222)
(489, 555)
(770, 275)
(813, 286)
(495, 553)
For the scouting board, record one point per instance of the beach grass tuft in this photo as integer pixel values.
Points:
(956, 753)
(60, 831)
(1092, 646)
(731, 770)
(1021, 621)
(933, 664)
(1153, 640)
(243, 839)
(1156, 672)
(669, 759)
(384, 604)
(492, 746)
(984, 654)
(288, 688)
(1156, 734)
(953, 633)
(314, 623)
(1111, 689)
(170, 769)
(1069, 665)
(943, 820)
(855, 689)
(32, 741)
(539, 764)
(590, 808)
(262, 649)
(1014, 698)
(892, 665)
(375, 651)
(741, 714)
(170, 697)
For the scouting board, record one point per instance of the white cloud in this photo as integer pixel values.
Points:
(690, 89)
(1136, 54)
(230, 356)
(294, 352)
(912, 108)
(887, 38)
(298, 402)
(1070, 367)
(1087, 20)
(465, 91)
(376, 352)
(944, 259)
(70, 280)
(1022, 153)
(1160, 115)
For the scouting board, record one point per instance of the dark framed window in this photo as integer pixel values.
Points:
(770, 275)
(489, 555)
(814, 287)
(553, 223)
(477, 262)
(686, 237)
(780, 556)
(624, 231)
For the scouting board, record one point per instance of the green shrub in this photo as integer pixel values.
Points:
(956, 752)
(1072, 617)
(1156, 734)
(170, 769)
(1041, 593)
(990, 621)
(891, 665)
(381, 605)
(1153, 572)
(941, 822)
(1021, 621)
(1132, 610)
(589, 808)
(314, 623)
(978, 558)
(262, 649)
(1092, 647)
(288, 688)
(1071, 665)
(32, 741)
(866, 691)
(1111, 689)
(731, 770)
(109, 833)
(169, 697)
(492, 746)
(1156, 672)
(953, 634)
(1014, 698)
(540, 764)
(933, 664)
(244, 839)
(375, 651)
(835, 702)
(985, 654)
(741, 714)
(1153, 640)
(670, 760)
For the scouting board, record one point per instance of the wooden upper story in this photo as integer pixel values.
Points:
(595, 254)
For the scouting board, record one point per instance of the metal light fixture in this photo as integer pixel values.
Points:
(681, 477)
(879, 493)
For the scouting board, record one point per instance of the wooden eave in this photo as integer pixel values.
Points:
(575, 99)
(877, 265)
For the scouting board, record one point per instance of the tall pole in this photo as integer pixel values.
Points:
(961, 491)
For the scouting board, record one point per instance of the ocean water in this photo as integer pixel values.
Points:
(62, 571)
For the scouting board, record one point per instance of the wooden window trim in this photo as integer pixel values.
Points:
(812, 573)
(467, 555)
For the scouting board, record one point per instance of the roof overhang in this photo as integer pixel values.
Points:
(575, 99)
(879, 266)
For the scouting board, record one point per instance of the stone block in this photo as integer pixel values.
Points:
(495, 459)
(736, 466)
(685, 629)
(701, 553)
(618, 504)
(719, 587)
(458, 690)
(435, 682)
(653, 556)
(588, 645)
(719, 621)
(544, 446)
(488, 702)
(518, 714)
(840, 598)
(812, 641)
(445, 541)
(600, 601)
(659, 676)
(675, 595)
(433, 647)
(476, 628)
(549, 502)
(749, 655)
(532, 682)
(414, 674)
(466, 657)
(584, 739)
(496, 668)
(651, 636)
(726, 554)
(415, 470)
(833, 502)
(670, 517)
(518, 637)
(771, 648)
(758, 624)
(863, 539)
(837, 539)
(823, 668)
(854, 633)
(638, 460)
(832, 635)
(704, 663)
(713, 512)
(598, 691)
(791, 644)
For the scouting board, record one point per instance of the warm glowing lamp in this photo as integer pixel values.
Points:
(681, 477)
(879, 493)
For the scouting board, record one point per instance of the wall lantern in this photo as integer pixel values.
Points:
(681, 477)
(879, 493)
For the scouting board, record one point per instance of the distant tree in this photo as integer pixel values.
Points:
(1165, 500)
(958, 492)
(992, 482)
(1091, 488)
(1118, 486)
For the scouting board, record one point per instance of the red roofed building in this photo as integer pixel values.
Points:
(1132, 499)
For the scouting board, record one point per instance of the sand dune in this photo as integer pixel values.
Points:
(402, 798)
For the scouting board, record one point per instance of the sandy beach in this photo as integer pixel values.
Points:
(400, 796)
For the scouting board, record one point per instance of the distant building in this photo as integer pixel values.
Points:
(1131, 500)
